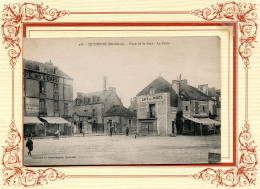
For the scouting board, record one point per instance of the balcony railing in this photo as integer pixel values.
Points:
(150, 115)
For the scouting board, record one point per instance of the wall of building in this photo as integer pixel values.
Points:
(111, 100)
(86, 125)
(186, 108)
(89, 109)
(165, 114)
(124, 123)
(201, 104)
(32, 94)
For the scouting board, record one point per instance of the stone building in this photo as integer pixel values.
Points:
(95, 105)
(119, 118)
(47, 93)
(156, 108)
(177, 108)
(194, 106)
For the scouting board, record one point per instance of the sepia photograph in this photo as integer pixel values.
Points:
(122, 101)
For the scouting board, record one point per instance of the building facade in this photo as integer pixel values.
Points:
(194, 108)
(47, 94)
(170, 109)
(118, 118)
(95, 105)
(156, 108)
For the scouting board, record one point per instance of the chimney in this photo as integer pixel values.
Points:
(185, 81)
(49, 63)
(176, 86)
(105, 83)
(112, 89)
(79, 95)
(204, 88)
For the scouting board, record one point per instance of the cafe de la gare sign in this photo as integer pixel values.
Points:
(153, 98)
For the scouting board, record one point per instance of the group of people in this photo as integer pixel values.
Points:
(126, 131)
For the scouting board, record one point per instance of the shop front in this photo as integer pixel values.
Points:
(52, 124)
(33, 127)
(148, 127)
(200, 126)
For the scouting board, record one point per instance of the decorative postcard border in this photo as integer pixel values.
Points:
(15, 174)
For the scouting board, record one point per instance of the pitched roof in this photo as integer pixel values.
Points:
(119, 110)
(161, 86)
(212, 92)
(103, 95)
(188, 92)
(48, 69)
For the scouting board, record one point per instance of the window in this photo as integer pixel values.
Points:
(56, 106)
(42, 87)
(98, 99)
(42, 106)
(152, 110)
(186, 108)
(203, 109)
(85, 100)
(196, 107)
(152, 127)
(152, 91)
(66, 109)
(94, 112)
(56, 88)
(78, 101)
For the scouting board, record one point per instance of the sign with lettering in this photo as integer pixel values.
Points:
(152, 98)
(32, 105)
(42, 77)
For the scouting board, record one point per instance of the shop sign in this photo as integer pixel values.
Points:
(41, 77)
(152, 98)
(31, 105)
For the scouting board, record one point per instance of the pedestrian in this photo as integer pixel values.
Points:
(29, 145)
(57, 134)
(135, 132)
(111, 131)
(127, 131)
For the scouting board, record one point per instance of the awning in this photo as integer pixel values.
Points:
(205, 121)
(55, 120)
(31, 120)
(193, 119)
(208, 121)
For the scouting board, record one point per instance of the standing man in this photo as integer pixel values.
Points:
(111, 131)
(29, 145)
(127, 131)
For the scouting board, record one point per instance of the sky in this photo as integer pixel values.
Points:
(129, 63)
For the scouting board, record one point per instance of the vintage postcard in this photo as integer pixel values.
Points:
(122, 101)
(129, 94)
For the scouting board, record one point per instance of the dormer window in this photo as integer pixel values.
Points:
(152, 91)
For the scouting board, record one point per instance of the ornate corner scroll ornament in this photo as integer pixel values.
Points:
(244, 14)
(245, 172)
(14, 173)
(14, 14)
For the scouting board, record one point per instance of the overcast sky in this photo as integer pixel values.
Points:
(129, 67)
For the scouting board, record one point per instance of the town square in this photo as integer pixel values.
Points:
(73, 117)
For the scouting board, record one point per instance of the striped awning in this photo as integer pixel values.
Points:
(31, 120)
(55, 120)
